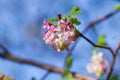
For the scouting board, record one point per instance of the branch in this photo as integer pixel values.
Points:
(4, 77)
(92, 24)
(41, 65)
(1, 78)
(104, 47)
(4, 49)
(113, 62)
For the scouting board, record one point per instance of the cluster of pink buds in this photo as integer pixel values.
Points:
(59, 35)
(98, 64)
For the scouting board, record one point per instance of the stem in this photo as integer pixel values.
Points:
(113, 62)
(104, 47)
(92, 24)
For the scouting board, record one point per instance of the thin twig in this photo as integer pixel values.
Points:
(104, 47)
(113, 62)
(5, 50)
(92, 24)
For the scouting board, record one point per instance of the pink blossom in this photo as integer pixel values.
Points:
(45, 24)
(98, 64)
(59, 36)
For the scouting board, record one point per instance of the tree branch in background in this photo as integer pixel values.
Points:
(4, 77)
(92, 24)
(40, 65)
(4, 49)
(113, 62)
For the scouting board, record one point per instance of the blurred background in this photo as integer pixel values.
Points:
(20, 33)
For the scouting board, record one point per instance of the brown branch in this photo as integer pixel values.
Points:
(4, 49)
(88, 40)
(4, 77)
(41, 65)
(92, 24)
(113, 53)
(113, 62)
(1, 78)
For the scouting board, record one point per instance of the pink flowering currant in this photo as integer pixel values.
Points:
(60, 35)
(98, 64)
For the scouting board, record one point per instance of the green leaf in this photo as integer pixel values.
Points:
(66, 72)
(52, 19)
(68, 77)
(115, 77)
(101, 40)
(69, 61)
(74, 21)
(64, 17)
(75, 10)
(117, 7)
(95, 51)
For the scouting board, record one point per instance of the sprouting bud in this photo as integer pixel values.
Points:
(59, 16)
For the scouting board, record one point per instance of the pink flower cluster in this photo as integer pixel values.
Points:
(98, 64)
(60, 35)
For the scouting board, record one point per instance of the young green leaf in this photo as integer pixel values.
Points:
(101, 40)
(115, 77)
(75, 10)
(69, 62)
(68, 77)
(64, 17)
(66, 72)
(95, 51)
(74, 21)
(52, 19)
(117, 7)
